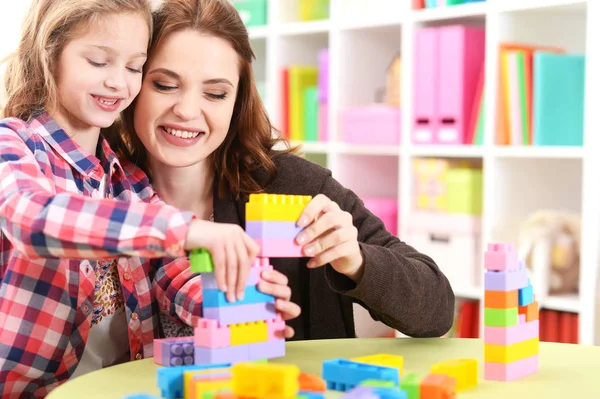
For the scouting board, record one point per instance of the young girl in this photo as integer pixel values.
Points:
(76, 285)
(200, 130)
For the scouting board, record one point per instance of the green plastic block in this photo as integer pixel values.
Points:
(311, 113)
(411, 383)
(377, 384)
(201, 261)
(465, 191)
(252, 12)
(501, 317)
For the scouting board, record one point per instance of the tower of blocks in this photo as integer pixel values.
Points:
(249, 329)
(511, 316)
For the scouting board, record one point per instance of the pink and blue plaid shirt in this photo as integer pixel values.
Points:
(55, 226)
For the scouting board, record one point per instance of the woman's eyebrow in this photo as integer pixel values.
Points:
(168, 72)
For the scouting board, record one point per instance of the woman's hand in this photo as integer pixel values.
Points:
(276, 284)
(330, 237)
(232, 252)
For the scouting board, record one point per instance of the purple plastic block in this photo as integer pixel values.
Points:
(266, 350)
(227, 315)
(209, 282)
(178, 353)
(232, 354)
(272, 229)
(323, 78)
(361, 393)
(506, 280)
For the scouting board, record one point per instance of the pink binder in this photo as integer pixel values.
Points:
(461, 58)
(426, 61)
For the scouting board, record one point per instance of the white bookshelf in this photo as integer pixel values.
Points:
(517, 180)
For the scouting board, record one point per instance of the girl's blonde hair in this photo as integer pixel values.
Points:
(49, 25)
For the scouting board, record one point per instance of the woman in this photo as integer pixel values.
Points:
(200, 131)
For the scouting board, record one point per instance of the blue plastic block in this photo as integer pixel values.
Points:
(390, 393)
(558, 99)
(140, 396)
(170, 379)
(216, 298)
(526, 295)
(343, 375)
(310, 395)
(430, 3)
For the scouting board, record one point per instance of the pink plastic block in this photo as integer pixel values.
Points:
(522, 319)
(511, 335)
(510, 371)
(385, 209)
(227, 315)
(266, 350)
(501, 256)
(279, 248)
(376, 124)
(258, 266)
(461, 56)
(506, 280)
(275, 328)
(174, 351)
(323, 122)
(210, 334)
(426, 82)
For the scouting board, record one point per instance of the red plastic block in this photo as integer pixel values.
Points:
(275, 328)
(311, 383)
(279, 248)
(531, 311)
(210, 334)
(511, 335)
(438, 386)
(501, 256)
(510, 371)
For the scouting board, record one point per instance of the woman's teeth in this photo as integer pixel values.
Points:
(182, 133)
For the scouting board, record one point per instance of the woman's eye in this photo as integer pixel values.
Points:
(96, 64)
(162, 87)
(214, 96)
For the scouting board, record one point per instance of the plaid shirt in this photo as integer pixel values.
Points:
(56, 225)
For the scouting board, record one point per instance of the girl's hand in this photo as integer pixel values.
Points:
(276, 284)
(232, 252)
(330, 237)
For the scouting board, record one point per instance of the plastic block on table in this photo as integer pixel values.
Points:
(501, 256)
(268, 381)
(279, 248)
(230, 354)
(216, 298)
(511, 371)
(210, 334)
(174, 351)
(278, 207)
(384, 360)
(464, 371)
(227, 315)
(201, 261)
(511, 335)
(266, 350)
(501, 317)
(438, 386)
(411, 383)
(139, 396)
(506, 280)
(511, 353)
(275, 328)
(343, 375)
(170, 379)
(311, 383)
(501, 299)
(272, 229)
(531, 311)
(249, 333)
(526, 295)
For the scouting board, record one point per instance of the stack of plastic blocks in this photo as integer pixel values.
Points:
(511, 316)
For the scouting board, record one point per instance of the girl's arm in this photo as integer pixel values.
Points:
(42, 223)
(400, 286)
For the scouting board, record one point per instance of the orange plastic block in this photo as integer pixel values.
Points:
(501, 299)
(311, 383)
(531, 311)
(438, 386)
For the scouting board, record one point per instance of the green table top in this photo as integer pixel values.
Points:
(566, 371)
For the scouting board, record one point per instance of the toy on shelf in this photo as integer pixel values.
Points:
(252, 12)
(313, 10)
(511, 316)
(448, 65)
(421, 4)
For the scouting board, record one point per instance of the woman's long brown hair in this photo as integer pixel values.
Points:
(250, 140)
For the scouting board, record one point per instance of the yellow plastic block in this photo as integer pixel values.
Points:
(216, 385)
(266, 381)
(276, 207)
(248, 333)
(511, 353)
(383, 360)
(188, 379)
(463, 370)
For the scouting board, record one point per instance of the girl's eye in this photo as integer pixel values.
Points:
(161, 87)
(217, 96)
(134, 70)
(97, 64)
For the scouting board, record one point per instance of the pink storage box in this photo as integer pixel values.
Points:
(385, 209)
(375, 124)
(452, 241)
(323, 122)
